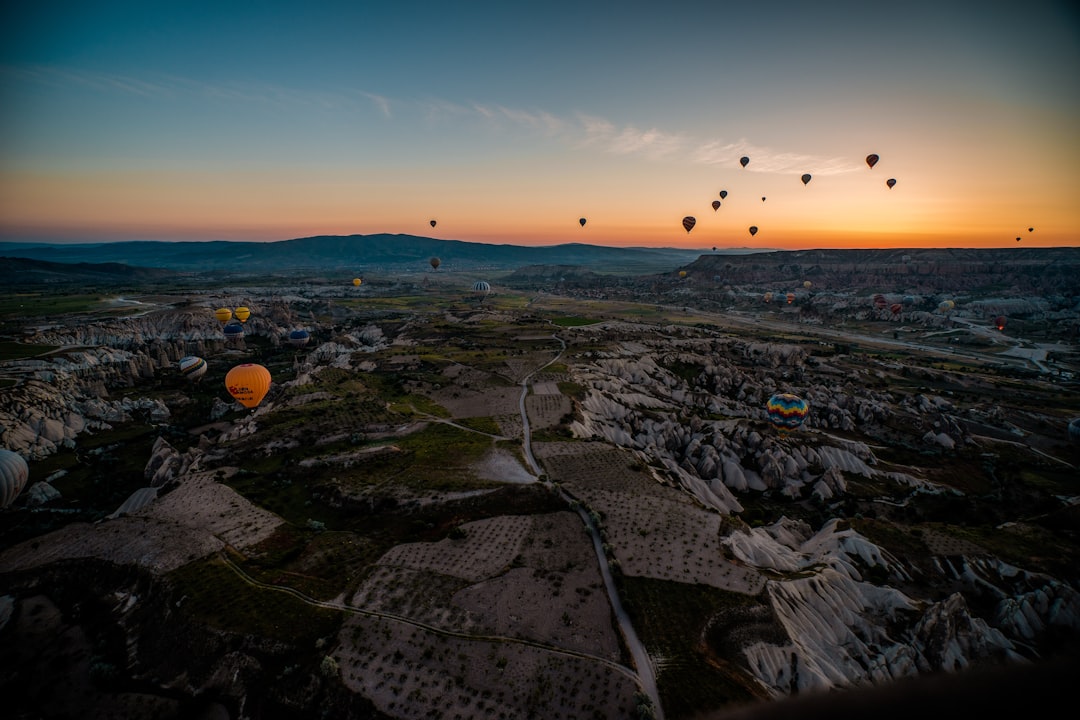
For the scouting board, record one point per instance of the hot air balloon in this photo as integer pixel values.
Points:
(890, 182)
(908, 300)
(879, 301)
(871, 160)
(807, 284)
(242, 314)
(946, 306)
(895, 309)
(762, 198)
(233, 331)
(682, 273)
(806, 178)
(581, 221)
(299, 338)
(192, 367)
(356, 282)
(1017, 239)
(432, 223)
(14, 473)
(753, 230)
(999, 322)
(435, 263)
(744, 161)
(248, 384)
(723, 194)
(768, 297)
(481, 289)
(715, 204)
(786, 411)
(1074, 431)
(790, 298)
(223, 314)
(688, 222)
(1031, 229)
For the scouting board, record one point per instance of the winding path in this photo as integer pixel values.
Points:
(646, 675)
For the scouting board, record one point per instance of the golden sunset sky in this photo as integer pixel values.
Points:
(507, 122)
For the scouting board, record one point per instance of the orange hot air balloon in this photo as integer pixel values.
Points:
(357, 281)
(744, 161)
(715, 205)
(871, 160)
(682, 273)
(890, 182)
(223, 314)
(753, 230)
(806, 178)
(248, 384)
(688, 222)
(242, 314)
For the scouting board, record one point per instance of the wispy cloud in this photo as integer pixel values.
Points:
(578, 130)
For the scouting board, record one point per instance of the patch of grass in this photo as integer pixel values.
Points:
(672, 620)
(574, 321)
(17, 351)
(215, 595)
(481, 424)
(26, 305)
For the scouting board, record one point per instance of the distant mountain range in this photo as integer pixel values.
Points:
(355, 252)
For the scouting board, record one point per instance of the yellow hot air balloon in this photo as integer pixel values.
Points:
(248, 384)
(807, 284)
(223, 314)
(242, 314)
(357, 281)
(682, 273)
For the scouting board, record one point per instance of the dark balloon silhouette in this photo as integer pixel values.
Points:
(432, 223)
(723, 194)
(688, 222)
(753, 230)
(871, 160)
(435, 263)
(999, 322)
(744, 161)
(715, 204)
(806, 178)
(762, 198)
(890, 182)
(581, 221)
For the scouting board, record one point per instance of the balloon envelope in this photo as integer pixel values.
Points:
(248, 384)
(481, 288)
(768, 297)
(682, 273)
(806, 178)
(896, 308)
(435, 263)
(357, 281)
(192, 367)
(581, 221)
(242, 314)
(233, 330)
(786, 411)
(744, 161)
(432, 223)
(715, 204)
(753, 230)
(223, 314)
(999, 322)
(14, 473)
(890, 182)
(688, 222)
(871, 159)
(790, 298)
(723, 194)
(299, 338)
(807, 284)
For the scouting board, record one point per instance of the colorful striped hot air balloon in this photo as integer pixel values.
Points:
(248, 384)
(192, 367)
(786, 411)
(14, 473)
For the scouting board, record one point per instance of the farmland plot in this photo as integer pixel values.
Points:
(654, 531)
(530, 577)
(412, 672)
(546, 409)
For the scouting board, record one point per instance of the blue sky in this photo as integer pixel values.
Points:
(507, 121)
